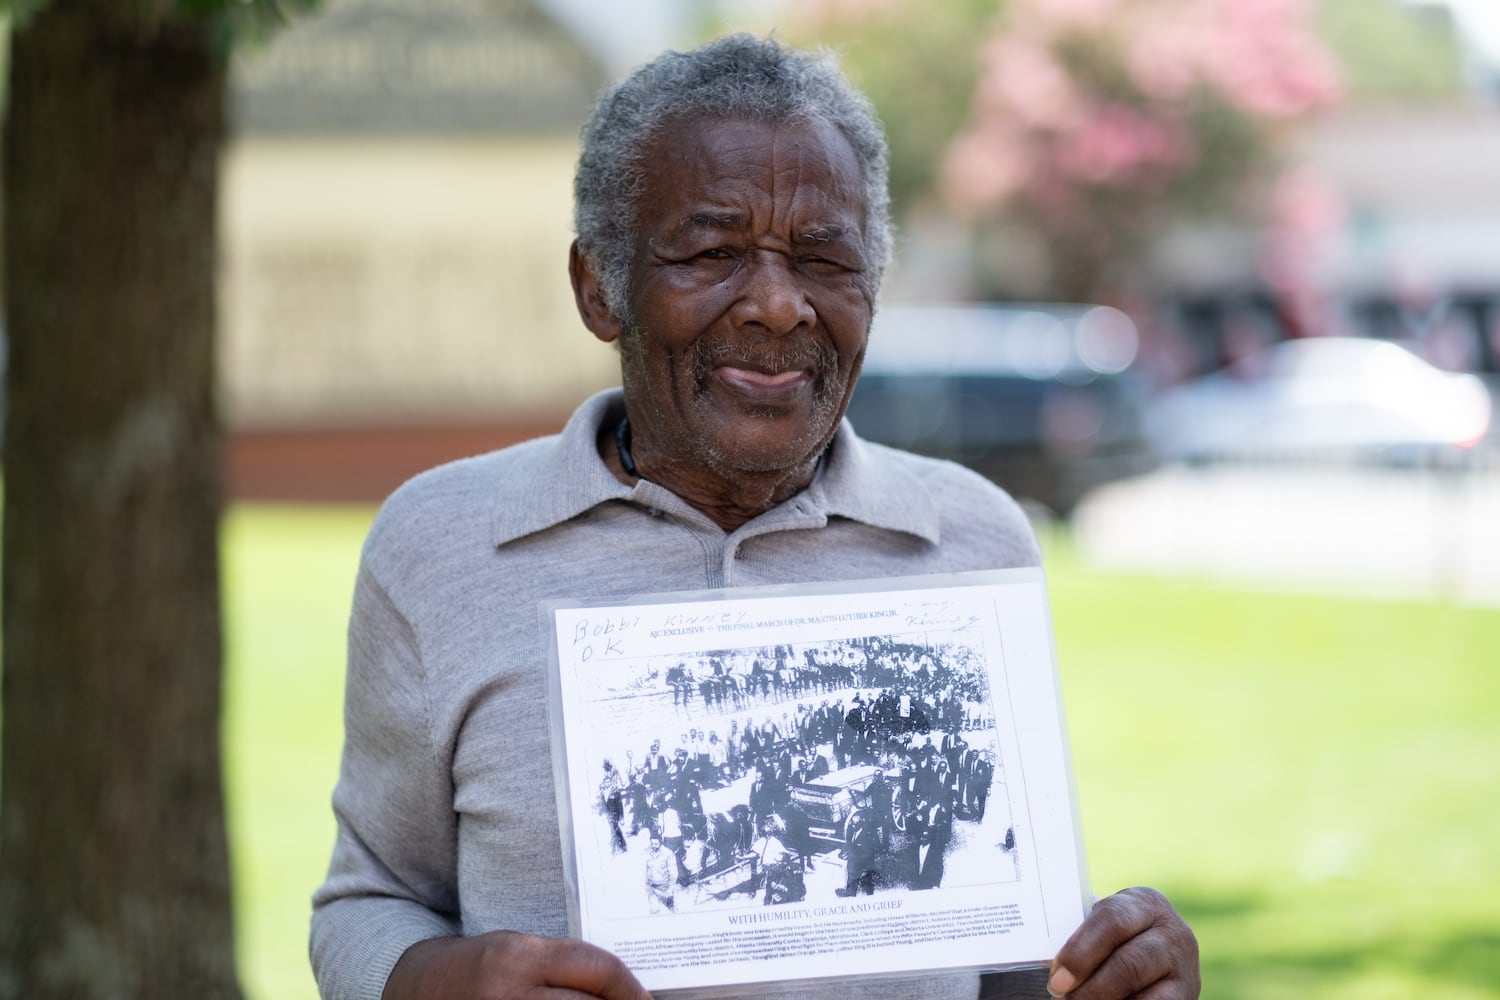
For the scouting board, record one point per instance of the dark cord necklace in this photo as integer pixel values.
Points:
(622, 445)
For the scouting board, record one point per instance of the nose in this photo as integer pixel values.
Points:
(772, 296)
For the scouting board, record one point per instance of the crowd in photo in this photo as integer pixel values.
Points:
(731, 681)
(914, 719)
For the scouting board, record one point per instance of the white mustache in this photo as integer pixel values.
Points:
(807, 355)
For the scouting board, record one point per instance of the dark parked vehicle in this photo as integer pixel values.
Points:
(1040, 399)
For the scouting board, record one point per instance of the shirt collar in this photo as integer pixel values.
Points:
(875, 485)
(554, 479)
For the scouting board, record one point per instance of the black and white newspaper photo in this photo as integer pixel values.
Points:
(791, 783)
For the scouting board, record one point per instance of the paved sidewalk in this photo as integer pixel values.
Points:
(1362, 532)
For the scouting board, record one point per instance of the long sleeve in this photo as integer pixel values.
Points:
(391, 882)
(1023, 984)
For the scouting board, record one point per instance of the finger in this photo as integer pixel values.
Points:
(562, 964)
(1129, 915)
(561, 993)
(1112, 921)
(1141, 963)
(1168, 989)
(588, 969)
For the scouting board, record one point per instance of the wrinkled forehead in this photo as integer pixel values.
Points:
(701, 157)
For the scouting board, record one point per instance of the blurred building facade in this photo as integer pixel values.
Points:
(1384, 224)
(397, 212)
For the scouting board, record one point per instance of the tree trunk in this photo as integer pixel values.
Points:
(114, 875)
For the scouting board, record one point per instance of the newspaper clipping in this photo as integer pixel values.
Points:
(791, 783)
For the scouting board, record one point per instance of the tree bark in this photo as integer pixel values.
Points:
(114, 874)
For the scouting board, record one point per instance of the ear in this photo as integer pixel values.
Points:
(589, 297)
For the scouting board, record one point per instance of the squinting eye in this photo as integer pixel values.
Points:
(717, 253)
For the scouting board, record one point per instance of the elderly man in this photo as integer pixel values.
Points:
(731, 211)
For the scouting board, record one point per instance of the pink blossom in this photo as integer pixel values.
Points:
(1023, 79)
(1118, 145)
(983, 169)
(1164, 52)
(1083, 118)
(1267, 61)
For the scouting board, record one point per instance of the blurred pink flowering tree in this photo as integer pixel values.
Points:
(1094, 122)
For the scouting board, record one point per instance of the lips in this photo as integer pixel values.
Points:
(764, 387)
(765, 375)
(759, 380)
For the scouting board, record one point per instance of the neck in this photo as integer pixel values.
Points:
(730, 498)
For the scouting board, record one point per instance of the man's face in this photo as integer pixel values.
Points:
(750, 295)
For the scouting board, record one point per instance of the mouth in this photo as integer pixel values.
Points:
(765, 380)
(752, 382)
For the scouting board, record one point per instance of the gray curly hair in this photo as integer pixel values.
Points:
(737, 76)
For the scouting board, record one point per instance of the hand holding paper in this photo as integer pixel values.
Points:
(503, 965)
(1131, 944)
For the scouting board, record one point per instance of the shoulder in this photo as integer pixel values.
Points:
(970, 509)
(501, 495)
(939, 474)
(449, 509)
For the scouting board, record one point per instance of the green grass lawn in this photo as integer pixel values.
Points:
(1313, 781)
(288, 579)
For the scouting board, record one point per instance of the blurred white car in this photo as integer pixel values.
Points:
(1322, 397)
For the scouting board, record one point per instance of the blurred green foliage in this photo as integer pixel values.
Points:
(1393, 52)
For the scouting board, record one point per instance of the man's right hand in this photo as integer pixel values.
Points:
(504, 965)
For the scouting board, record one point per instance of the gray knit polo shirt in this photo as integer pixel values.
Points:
(445, 803)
